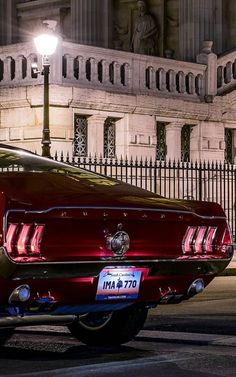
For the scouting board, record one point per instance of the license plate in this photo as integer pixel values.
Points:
(118, 283)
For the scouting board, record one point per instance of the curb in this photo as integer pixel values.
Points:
(228, 272)
(231, 268)
(188, 338)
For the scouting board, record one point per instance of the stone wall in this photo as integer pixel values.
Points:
(22, 115)
(135, 89)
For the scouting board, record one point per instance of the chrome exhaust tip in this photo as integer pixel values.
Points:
(196, 287)
(20, 294)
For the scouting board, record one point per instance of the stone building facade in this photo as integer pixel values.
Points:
(177, 102)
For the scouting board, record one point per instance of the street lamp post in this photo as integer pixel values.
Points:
(46, 44)
(46, 141)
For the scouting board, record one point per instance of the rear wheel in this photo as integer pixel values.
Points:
(5, 334)
(109, 328)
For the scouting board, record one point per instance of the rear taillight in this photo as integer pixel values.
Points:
(188, 239)
(36, 239)
(226, 244)
(23, 242)
(208, 242)
(11, 231)
(23, 237)
(199, 240)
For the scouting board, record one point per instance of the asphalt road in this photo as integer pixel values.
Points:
(194, 338)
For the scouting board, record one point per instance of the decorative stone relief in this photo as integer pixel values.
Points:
(222, 145)
(205, 143)
(133, 139)
(171, 29)
(136, 27)
(145, 31)
(214, 144)
(122, 27)
(161, 20)
(141, 139)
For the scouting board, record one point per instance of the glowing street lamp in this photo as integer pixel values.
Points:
(46, 44)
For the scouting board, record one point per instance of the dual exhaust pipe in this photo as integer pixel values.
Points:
(197, 286)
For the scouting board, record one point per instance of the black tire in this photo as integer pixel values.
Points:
(5, 334)
(109, 329)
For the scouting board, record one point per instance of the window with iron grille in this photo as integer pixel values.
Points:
(229, 145)
(161, 148)
(80, 135)
(185, 142)
(110, 137)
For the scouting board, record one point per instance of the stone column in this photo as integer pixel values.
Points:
(96, 135)
(173, 140)
(194, 142)
(199, 20)
(91, 22)
(228, 24)
(7, 22)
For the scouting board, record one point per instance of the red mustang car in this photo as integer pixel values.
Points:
(84, 250)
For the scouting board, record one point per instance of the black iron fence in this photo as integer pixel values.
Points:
(208, 181)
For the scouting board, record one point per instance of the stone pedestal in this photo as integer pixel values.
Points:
(208, 58)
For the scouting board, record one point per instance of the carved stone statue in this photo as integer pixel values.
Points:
(145, 31)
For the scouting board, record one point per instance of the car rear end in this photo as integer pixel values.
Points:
(84, 250)
(77, 259)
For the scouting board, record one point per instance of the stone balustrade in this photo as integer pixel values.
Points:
(15, 64)
(119, 71)
(175, 78)
(226, 73)
(131, 73)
